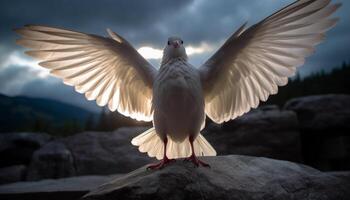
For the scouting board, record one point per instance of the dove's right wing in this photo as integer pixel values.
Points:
(109, 70)
(253, 62)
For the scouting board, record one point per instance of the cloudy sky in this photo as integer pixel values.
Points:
(202, 24)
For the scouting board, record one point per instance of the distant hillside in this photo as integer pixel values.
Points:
(37, 114)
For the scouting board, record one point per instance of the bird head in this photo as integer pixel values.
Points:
(174, 49)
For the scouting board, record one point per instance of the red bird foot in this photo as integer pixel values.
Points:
(161, 164)
(196, 161)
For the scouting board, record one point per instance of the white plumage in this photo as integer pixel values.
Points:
(253, 62)
(249, 67)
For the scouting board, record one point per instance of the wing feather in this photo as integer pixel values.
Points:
(108, 70)
(252, 63)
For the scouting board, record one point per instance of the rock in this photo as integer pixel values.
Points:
(106, 152)
(53, 160)
(17, 148)
(345, 175)
(267, 132)
(58, 189)
(325, 130)
(266, 108)
(322, 112)
(12, 174)
(230, 177)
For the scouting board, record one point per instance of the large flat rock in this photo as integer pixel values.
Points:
(266, 131)
(230, 177)
(52, 189)
(12, 174)
(106, 153)
(98, 153)
(322, 113)
(325, 130)
(17, 148)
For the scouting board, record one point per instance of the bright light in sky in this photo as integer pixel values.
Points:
(202, 48)
(153, 53)
(150, 53)
(16, 58)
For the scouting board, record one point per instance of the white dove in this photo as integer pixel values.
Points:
(247, 68)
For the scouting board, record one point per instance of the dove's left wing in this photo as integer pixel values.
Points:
(254, 62)
(109, 70)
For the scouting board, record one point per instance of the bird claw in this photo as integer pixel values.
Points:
(196, 161)
(161, 164)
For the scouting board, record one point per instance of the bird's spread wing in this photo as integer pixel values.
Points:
(252, 63)
(108, 70)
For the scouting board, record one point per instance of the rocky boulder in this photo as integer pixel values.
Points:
(322, 112)
(53, 189)
(106, 152)
(325, 130)
(53, 160)
(12, 174)
(266, 131)
(230, 177)
(341, 174)
(88, 153)
(17, 148)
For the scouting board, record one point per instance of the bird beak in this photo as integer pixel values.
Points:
(176, 44)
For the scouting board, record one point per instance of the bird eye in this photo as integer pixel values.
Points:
(168, 42)
(182, 42)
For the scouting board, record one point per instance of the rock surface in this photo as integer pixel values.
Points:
(341, 174)
(325, 130)
(67, 188)
(267, 132)
(106, 152)
(12, 174)
(53, 160)
(231, 177)
(17, 148)
(322, 112)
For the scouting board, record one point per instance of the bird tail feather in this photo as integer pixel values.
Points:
(149, 142)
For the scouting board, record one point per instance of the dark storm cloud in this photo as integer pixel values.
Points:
(127, 16)
(146, 22)
(217, 20)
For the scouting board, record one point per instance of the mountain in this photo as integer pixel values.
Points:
(37, 114)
